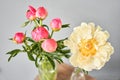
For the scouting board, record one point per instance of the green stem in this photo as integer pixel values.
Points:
(78, 70)
(51, 34)
(25, 42)
(39, 44)
(40, 22)
(35, 23)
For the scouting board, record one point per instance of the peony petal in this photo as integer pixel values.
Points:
(85, 31)
(106, 51)
(74, 37)
(92, 25)
(74, 60)
(101, 36)
(103, 55)
(73, 47)
(97, 63)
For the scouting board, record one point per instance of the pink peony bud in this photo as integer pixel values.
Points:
(56, 24)
(30, 14)
(32, 9)
(19, 37)
(39, 33)
(49, 45)
(41, 13)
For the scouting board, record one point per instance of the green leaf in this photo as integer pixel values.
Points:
(39, 47)
(24, 48)
(65, 51)
(36, 50)
(65, 25)
(62, 40)
(36, 60)
(51, 61)
(25, 23)
(29, 39)
(59, 60)
(67, 56)
(10, 38)
(30, 56)
(60, 45)
(13, 53)
(9, 58)
(33, 47)
(45, 26)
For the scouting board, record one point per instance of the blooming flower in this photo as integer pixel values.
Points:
(19, 37)
(30, 14)
(41, 13)
(56, 24)
(39, 33)
(49, 45)
(89, 47)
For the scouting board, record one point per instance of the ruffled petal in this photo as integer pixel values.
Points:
(101, 36)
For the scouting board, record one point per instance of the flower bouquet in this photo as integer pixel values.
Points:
(41, 48)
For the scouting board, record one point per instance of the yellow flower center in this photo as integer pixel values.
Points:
(87, 47)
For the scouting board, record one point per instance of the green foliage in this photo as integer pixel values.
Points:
(35, 52)
(29, 39)
(13, 53)
(30, 56)
(38, 58)
(25, 23)
(65, 25)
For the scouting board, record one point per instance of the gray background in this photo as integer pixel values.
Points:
(105, 13)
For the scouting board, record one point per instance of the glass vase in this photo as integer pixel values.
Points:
(78, 74)
(46, 70)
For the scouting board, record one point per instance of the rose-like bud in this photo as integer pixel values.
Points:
(19, 37)
(49, 45)
(41, 13)
(39, 33)
(56, 24)
(30, 14)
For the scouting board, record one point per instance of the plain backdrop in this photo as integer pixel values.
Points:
(105, 13)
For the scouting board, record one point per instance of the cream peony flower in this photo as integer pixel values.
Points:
(89, 47)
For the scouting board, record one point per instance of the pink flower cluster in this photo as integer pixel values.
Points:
(32, 13)
(40, 33)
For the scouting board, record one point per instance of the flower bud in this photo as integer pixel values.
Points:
(19, 37)
(41, 13)
(30, 14)
(39, 33)
(56, 24)
(49, 45)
